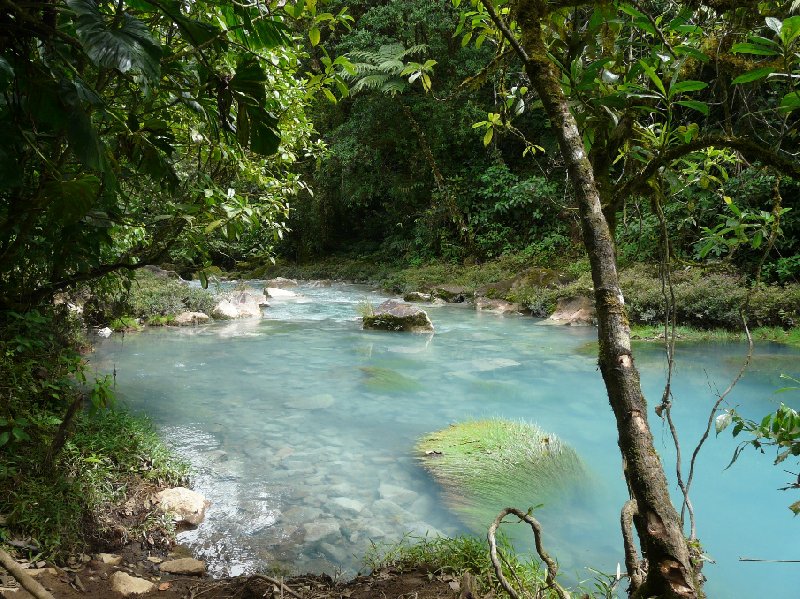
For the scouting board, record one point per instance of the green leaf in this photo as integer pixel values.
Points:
(687, 86)
(651, 73)
(790, 102)
(314, 35)
(71, 200)
(4, 437)
(746, 48)
(754, 75)
(123, 44)
(692, 52)
(774, 24)
(695, 105)
(264, 136)
(329, 94)
(487, 138)
(790, 30)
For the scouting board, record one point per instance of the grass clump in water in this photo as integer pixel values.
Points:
(385, 380)
(486, 465)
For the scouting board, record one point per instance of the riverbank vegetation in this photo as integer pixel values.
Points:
(523, 150)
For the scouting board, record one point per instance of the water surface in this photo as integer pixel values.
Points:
(301, 428)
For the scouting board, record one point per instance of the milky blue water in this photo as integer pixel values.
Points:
(308, 458)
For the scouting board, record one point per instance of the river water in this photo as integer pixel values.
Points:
(300, 428)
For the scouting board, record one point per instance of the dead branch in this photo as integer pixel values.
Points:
(25, 579)
(277, 583)
(633, 564)
(552, 567)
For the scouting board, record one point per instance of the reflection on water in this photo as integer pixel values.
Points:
(301, 426)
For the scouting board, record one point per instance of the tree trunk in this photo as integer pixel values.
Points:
(670, 572)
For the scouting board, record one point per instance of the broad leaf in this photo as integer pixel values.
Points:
(686, 86)
(790, 102)
(754, 75)
(695, 105)
(747, 48)
(122, 44)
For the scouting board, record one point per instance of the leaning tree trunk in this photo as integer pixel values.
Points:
(669, 569)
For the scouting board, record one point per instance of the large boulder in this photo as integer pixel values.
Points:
(278, 292)
(239, 304)
(486, 465)
(280, 283)
(185, 319)
(185, 505)
(392, 315)
(575, 311)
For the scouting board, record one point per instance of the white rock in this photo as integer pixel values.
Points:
(225, 310)
(186, 566)
(185, 319)
(105, 332)
(280, 283)
(125, 584)
(278, 293)
(186, 505)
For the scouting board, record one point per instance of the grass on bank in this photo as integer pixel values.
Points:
(457, 555)
(111, 457)
(708, 300)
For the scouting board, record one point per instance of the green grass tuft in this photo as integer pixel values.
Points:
(486, 465)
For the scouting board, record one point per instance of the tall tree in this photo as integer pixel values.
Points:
(612, 81)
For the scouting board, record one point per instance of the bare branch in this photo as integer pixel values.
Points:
(552, 567)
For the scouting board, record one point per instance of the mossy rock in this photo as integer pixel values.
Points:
(397, 316)
(487, 465)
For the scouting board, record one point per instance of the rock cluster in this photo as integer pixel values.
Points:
(392, 315)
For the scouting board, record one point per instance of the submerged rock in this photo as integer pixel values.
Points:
(185, 319)
(392, 315)
(321, 529)
(576, 311)
(186, 505)
(126, 585)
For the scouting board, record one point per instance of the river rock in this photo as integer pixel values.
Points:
(185, 319)
(484, 304)
(126, 585)
(278, 292)
(105, 332)
(576, 311)
(240, 304)
(186, 505)
(280, 283)
(320, 283)
(417, 296)
(392, 315)
(452, 294)
(397, 494)
(186, 566)
(321, 529)
(348, 504)
(111, 559)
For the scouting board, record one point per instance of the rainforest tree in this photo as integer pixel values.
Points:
(622, 85)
